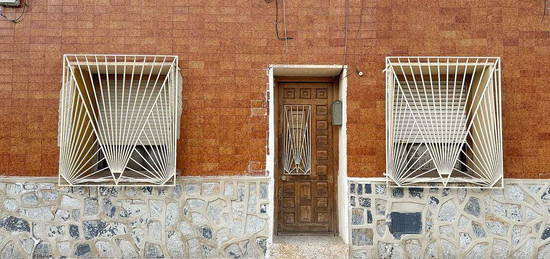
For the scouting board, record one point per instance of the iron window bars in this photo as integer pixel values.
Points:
(119, 119)
(297, 140)
(444, 122)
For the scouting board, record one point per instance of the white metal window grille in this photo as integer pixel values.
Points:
(297, 140)
(444, 122)
(119, 120)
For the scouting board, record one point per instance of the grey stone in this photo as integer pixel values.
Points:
(40, 213)
(108, 208)
(171, 214)
(405, 223)
(352, 188)
(501, 249)
(546, 195)
(252, 199)
(191, 189)
(108, 191)
(55, 231)
(513, 193)
(15, 224)
(43, 250)
(64, 249)
(397, 192)
(262, 243)
(106, 249)
(14, 189)
(241, 191)
(496, 227)
(49, 195)
(198, 219)
(10, 251)
(175, 245)
(196, 204)
(513, 212)
(194, 246)
(416, 192)
(206, 232)
(447, 230)
(74, 232)
(380, 207)
(433, 201)
(132, 208)
(448, 249)
(138, 235)
(413, 247)
(27, 244)
(155, 208)
(254, 224)
(544, 252)
(83, 250)
(447, 211)
(223, 235)
(526, 250)
(480, 250)
(362, 237)
(465, 240)
(472, 207)
(380, 227)
(357, 216)
(215, 210)
(546, 233)
(155, 230)
(520, 233)
(29, 199)
(10, 205)
(229, 190)
(263, 191)
(380, 189)
(91, 207)
(186, 229)
(389, 250)
(210, 189)
(62, 215)
(128, 250)
(238, 209)
(153, 250)
(233, 251)
(478, 230)
(364, 202)
(97, 228)
(68, 202)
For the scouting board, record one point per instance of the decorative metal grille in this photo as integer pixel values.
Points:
(119, 120)
(297, 140)
(444, 125)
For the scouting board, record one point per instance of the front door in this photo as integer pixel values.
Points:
(305, 174)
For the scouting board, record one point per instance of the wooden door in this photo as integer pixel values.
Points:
(305, 168)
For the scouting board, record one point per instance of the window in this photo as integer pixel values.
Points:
(444, 124)
(119, 120)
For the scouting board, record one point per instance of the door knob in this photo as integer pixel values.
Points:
(283, 177)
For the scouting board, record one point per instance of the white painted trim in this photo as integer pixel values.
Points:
(343, 201)
(321, 71)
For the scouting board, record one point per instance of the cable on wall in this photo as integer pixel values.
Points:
(277, 22)
(19, 18)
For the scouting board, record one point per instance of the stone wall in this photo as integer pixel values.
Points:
(199, 217)
(513, 222)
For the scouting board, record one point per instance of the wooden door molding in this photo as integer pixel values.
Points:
(309, 203)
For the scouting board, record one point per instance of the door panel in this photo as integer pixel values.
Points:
(305, 202)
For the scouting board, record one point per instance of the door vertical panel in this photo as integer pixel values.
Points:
(306, 200)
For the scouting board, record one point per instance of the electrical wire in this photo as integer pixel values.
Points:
(277, 22)
(19, 18)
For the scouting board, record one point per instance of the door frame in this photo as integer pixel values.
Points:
(340, 71)
(333, 189)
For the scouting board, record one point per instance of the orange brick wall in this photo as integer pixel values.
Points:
(224, 48)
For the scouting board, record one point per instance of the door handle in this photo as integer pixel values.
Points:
(283, 177)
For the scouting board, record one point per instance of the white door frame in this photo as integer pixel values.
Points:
(310, 71)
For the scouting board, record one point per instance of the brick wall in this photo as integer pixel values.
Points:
(224, 47)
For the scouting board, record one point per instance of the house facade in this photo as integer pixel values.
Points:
(404, 129)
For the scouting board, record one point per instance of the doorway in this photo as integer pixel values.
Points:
(306, 156)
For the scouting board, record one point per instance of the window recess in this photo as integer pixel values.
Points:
(119, 120)
(443, 122)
